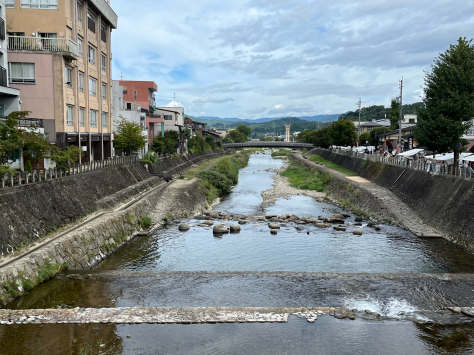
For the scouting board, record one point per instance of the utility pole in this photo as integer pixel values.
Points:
(399, 148)
(358, 128)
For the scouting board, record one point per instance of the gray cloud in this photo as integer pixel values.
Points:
(208, 99)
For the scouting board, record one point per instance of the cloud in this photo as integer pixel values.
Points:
(174, 104)
(207, 99)
(308, 56)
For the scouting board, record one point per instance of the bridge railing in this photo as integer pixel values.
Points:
(262, 144)
(38, 176)
(419, 164)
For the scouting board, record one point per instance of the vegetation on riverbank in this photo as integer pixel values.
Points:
(318, 159)
(220, 178)
(281, 153)
(306, 178)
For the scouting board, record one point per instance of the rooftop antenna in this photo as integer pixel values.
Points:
(121, 75)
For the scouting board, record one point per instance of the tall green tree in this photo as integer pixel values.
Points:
(448, 100)
(129, 136)
(236, 136)
(245, 130)
(167, 143)
(394, 114)
(343, 133)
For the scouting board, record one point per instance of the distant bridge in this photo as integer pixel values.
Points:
(262, 144)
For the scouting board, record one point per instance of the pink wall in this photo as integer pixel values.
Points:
(37, 98)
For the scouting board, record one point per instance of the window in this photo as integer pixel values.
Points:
(92, 87)
(22, 73)
(91, 55)
(9, 3)
(91, 22)
(68, 77)
(79, 11)
(39, 4)
(125, 91)
(104, 119)
(81, 116)
(79, 46)
(81, 82)
(129, 105)
(104, 91)
(134, 94)
(93, 118)
(103, 32)
(70, 115)
(411, 120)
(103, 60)
(168, 117)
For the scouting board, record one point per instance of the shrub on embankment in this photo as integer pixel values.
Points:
(224, 174)
(443, 202)
(281, 153)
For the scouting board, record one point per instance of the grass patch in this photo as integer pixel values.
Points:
(318, 159)
(305, 179)
(48, 270)
(255, 149)
(281, 153)
(146, 222)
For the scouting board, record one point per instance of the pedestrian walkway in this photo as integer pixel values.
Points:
(404, 214)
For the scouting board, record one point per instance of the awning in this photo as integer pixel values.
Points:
(448, 157)
(409, 153)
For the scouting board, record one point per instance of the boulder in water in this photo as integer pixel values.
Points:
(183, 227)
(220, 229)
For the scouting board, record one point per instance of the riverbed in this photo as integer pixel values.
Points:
(389, 271)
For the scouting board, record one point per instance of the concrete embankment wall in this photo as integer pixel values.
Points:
(85, 246)
(442, 202)
(349, 195)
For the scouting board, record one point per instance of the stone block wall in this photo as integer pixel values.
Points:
(443, 202)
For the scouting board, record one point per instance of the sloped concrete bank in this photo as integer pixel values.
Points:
(443, 202)
(349, 195)
(100, 235)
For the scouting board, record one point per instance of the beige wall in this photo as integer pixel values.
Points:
(37, 98)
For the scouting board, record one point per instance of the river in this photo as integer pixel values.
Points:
(391, 272)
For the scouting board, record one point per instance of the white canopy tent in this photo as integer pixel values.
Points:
(409, 153)
(468, 158)
(448, 157)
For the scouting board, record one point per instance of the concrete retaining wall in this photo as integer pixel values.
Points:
(85, 246)
(444, 202)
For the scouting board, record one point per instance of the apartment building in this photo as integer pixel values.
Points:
(59, 54)
(143, 93)
(9, 97)
(129, 111)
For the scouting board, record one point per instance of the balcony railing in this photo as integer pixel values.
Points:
(3, 77)
(21, 43)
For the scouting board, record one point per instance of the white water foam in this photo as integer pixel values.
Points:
(392, 308)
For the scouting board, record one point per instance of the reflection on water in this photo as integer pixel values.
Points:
(326, 336)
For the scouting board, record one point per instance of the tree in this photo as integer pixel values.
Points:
(197, 144)
(210, 142)
(63, 158)
(364, 137)
(245, 130)
(448, 100)
(166, 144)
(319, 138)
(129, 136)
(394, 114)
(236, 136)
(373, 139)
(343, 133)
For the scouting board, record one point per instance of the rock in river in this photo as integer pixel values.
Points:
(183, 227)
(242, 222)
(341, 229)
(274, 231)
(357, 232)
(220, 229)
(234, 228)
(274, 226)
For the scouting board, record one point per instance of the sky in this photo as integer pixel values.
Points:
(276, 58)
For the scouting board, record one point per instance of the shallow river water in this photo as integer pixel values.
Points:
(381, 271)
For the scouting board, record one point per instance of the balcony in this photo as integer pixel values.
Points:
(37, 44)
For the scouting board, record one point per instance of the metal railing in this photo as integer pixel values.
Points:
(38, 176)
(419, 164)
(21, 43)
